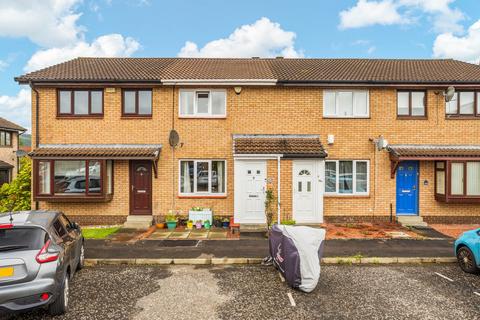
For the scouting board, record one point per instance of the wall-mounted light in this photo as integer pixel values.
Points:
(237, 90)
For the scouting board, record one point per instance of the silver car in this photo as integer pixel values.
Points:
(39, 253)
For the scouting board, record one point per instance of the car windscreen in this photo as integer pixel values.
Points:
(22, 239)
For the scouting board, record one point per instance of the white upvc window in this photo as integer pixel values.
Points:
(347, 177)
(203, 103)
(346, 104)
(203, 177)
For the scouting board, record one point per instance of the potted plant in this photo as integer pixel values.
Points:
(217, 222)
(225, 222)
(198, 224)
(190, 224)
(160, 224)
(171, 220)
(206, 224)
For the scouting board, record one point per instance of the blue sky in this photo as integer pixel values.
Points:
(38, 33)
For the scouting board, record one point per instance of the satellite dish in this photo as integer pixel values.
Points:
(173, 138)
(449, 94)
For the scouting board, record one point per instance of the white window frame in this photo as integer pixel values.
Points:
(196, 114)
(354, 179)
(337, 115)
(201, 193)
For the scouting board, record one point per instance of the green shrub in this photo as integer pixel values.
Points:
(16, 195)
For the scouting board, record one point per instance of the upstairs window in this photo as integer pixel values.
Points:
(203, 103)
(137, 103)
(80, 102)
(411, 104)
(345, 104)
(463, 104)
(5, 138)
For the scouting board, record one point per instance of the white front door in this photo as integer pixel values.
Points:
(308, 178)
(250, 182)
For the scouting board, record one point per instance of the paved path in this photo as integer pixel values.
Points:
(99, 249)
(256, 292)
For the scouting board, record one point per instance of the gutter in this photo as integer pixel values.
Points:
(37, 130)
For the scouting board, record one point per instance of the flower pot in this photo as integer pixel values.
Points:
(225, 224)
(207, 225)
(189, 225)
(198, 225)
(171, 225)
(217, 223)
(160, 225)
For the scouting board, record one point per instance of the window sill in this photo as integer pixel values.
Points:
(333, 117)
(133, 116)
(412, 118)
(95, 116)
(203, 117)
(352, 196)
(449, 199)
(207, 196)
(105, 198)
(461, 117)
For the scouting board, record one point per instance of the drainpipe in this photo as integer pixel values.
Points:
(278, 188)
(37, 130)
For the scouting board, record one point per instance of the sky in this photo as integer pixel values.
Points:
(38, 33)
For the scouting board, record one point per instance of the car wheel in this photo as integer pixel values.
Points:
(466, 260)
(81, 259)
(60, 305)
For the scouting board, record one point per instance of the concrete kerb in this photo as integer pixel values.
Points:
(231, 261)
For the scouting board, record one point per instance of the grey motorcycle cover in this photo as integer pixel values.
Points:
(296, 252)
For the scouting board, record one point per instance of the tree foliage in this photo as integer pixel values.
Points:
(16, 196)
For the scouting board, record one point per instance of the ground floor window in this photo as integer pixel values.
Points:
(4, 176)
(346, 177)
(457, 180)
(200, 177)
(84, 178)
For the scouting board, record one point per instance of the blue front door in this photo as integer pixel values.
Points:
(407, 188)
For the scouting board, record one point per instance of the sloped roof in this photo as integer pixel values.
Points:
(434, 151)
(97, 151)
(287, 145)
(5, 124)
(281, 70)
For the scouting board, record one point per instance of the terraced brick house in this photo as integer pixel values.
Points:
(335, 139)
(9, 150)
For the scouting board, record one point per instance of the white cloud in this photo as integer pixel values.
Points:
(444, 18)
(367, 13)
(111, 45)
(466, 47)
(3, 65)
(17, 108)
(396, 12)
(45, 22)
(263, 38)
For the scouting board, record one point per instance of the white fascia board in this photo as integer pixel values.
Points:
(256, 156)
(221, 82)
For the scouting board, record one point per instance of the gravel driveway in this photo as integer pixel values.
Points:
(255, 292)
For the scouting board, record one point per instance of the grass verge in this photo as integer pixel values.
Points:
(99, 233)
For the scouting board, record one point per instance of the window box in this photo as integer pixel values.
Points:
(411, 104)
(80, 103)
(457, 181)
(65, 180)
(346, 104)
(137, 103)
(347, 177)
(203, 103)
(465, 104)
(206, 178)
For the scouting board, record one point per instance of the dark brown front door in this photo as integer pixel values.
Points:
(140, 187)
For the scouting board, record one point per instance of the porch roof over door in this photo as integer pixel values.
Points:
(97, 151)
(289, 145)
(432, 152)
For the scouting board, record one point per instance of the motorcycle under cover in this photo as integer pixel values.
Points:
(296, 252)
